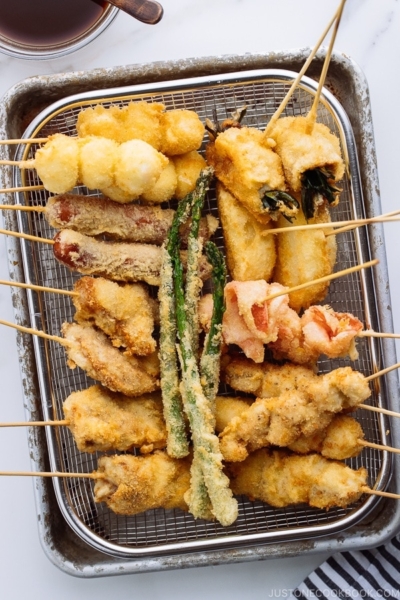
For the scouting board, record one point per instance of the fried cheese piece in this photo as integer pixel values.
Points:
(101, 420)
(301, 151)
(282, 479)
(123, 312)
(303, 256)
(133, 484)
(247, 167)
(250, 255)
(93, 352)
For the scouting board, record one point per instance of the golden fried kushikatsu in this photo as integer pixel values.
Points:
(281, 479)
(250, 255)
(252, 172)
(304, 256)
(253, 318)
(187, 169)
(123, 312)
(118, 261)
(92, 351)
(101, 420)
(311, 159)
(133, 484)
(171, 132)
(301, 411)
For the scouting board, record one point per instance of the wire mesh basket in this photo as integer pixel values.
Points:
(158, 531)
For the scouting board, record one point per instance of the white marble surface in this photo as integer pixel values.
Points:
(369, 34)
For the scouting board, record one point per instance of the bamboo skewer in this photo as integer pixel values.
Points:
(342, 225)
(24, 141)
(26, 236)
(384, 411)
(38, 209)
(38, 288)
(295, 83)
(42, 334)
(63, 422)
(25, 188)
(301, 286)
(382, 372)
(312, 115)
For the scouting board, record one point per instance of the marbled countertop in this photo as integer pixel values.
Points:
(369, 34)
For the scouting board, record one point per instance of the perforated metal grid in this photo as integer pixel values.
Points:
(154, 530)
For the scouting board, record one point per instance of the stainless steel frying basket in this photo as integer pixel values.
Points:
(158, 532)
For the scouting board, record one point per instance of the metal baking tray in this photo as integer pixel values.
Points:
(162, 539)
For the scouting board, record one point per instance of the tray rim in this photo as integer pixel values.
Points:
(321, 544)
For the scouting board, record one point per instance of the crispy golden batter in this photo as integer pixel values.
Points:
(250, 255)
(137, 120)
(181, 132)
(247, 167)
(164, 188)
(281, 479)
(281, 420)
(301, 151)
(93, 352)
(118, 261)
(187, 167)
(123, 312)
(101, 420)
(133, 484)
(303, 256)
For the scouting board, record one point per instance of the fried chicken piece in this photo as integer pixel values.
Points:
(304, 256)
(246, 165)
(282, 479)
(123, 312)
(133, 484)
(280, 421)
(101, 420)
(118, 261)
(338, 441)
(93, 352)
(250, 255)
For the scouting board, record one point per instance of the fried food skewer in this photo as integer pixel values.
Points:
(92, 351)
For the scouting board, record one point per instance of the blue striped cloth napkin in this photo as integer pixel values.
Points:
(361, 574)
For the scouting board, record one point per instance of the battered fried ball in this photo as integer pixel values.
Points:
(97, 162)
(165, 186)
(181, 132)
(138, 166)
(57, 163)
(187, 168)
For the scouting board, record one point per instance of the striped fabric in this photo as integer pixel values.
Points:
(362, 574)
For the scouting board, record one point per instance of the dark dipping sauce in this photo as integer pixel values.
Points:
(48, 22)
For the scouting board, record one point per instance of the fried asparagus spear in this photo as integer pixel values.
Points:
(207, 455)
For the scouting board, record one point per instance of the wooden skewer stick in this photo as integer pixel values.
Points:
(384, 411)
(368, 490)
(295, 83)
(42, 334)
(23, 208)
(378, 334)
(26, 236)
(22, 164)
(38, 288)
(50, 474)
(25, 188)
(24, 141)
(378, 446)
(312, 115)
(35, 423)
(382, 372)
(350, 224)
(365, 265)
